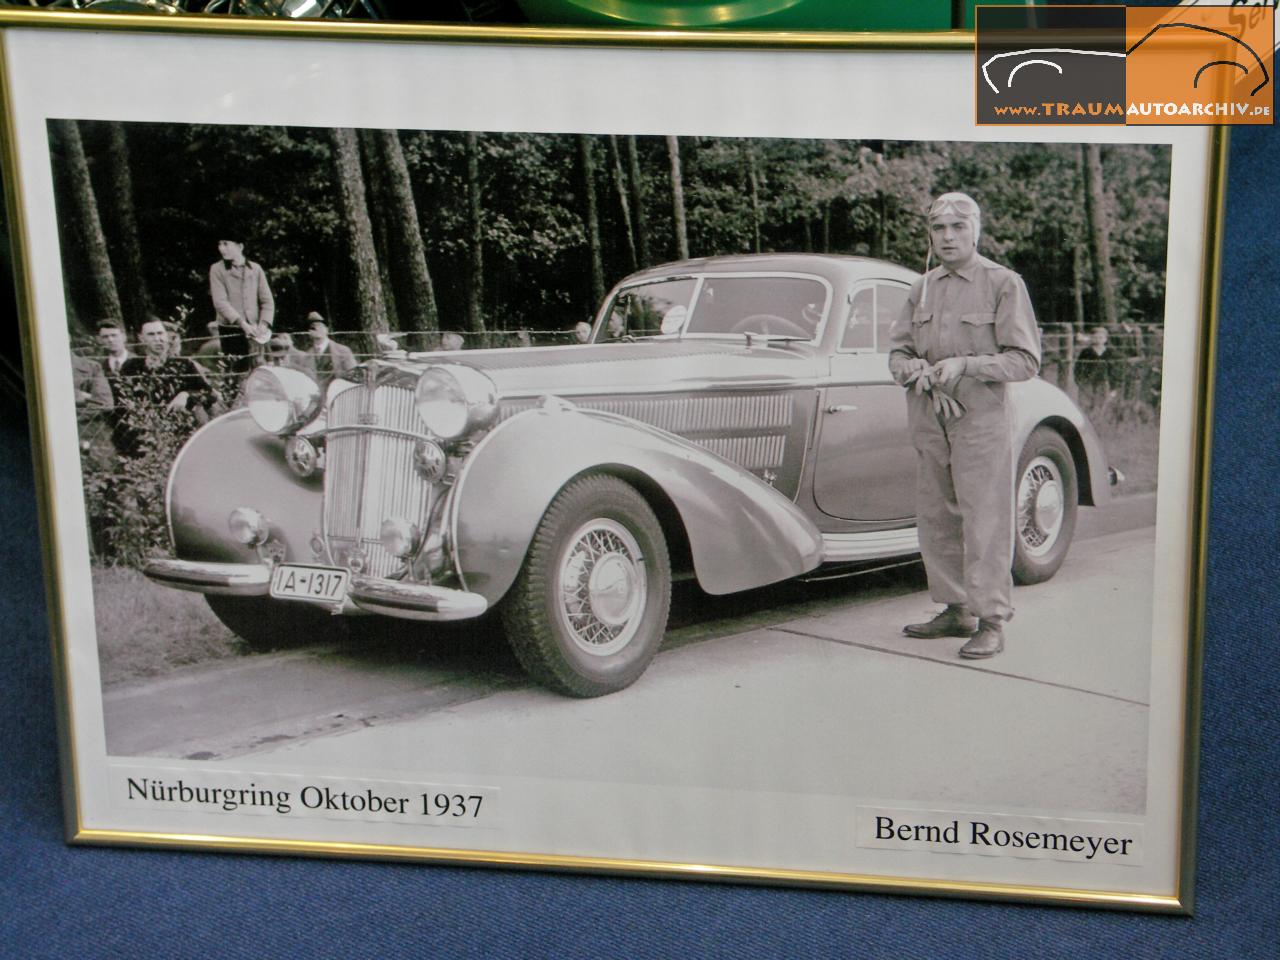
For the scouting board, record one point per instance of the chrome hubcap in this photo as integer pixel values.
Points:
(602, 587)
(1041, 506)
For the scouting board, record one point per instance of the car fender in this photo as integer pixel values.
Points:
(742, 533)
(1038, 403)
(230, 462)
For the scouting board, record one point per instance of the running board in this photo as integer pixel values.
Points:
(848, 547)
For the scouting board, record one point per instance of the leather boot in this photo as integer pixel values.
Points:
(987, 642)
(955, 621)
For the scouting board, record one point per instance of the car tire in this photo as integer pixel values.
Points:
(589, 608)
(265, 624)
(1046, 499)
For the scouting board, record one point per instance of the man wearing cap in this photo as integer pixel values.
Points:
(282, 353)
(331, 359)
(966, 331)
(243, 301)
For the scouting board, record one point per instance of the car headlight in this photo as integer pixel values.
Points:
(281, 399)
(453, 400)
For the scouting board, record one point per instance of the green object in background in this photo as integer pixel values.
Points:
(758, 14)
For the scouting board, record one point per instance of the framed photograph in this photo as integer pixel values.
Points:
(710, 456)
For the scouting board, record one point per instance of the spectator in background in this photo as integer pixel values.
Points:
(331, 359)
(93, 393)
(1095, 367)
(582, 331)
(157, 383)
(115, 346)
(242, 298)
(282, 353)
(450, 341)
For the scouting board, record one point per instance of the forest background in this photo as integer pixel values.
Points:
(484, 233)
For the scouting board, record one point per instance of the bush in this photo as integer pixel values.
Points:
(125, 471)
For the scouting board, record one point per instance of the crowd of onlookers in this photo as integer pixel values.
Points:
(128, 383)
(124, 387)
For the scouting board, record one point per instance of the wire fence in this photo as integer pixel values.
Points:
(1121, 381)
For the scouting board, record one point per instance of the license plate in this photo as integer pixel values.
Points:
(291, 581)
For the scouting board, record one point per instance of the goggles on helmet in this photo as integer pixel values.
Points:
(954, 204)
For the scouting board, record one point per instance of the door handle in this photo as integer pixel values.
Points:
(842, 408)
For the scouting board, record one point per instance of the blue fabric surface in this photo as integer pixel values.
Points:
(61, 902)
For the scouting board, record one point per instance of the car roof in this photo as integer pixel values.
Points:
(833, 267)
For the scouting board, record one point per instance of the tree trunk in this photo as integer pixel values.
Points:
(417, 296)
(677, 199)
(358, 231)
(591, 217)
(881, 240)
(620, 185)
(1099, 231)
(753, 186)
(637, 201)
(475, 211)
(87, 225)
(122, 221)
(378, 205)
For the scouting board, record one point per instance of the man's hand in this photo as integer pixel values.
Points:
(947, 406)
(948, 371)
(914, 367)
(177, 403)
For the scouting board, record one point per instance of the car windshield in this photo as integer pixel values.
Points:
(775, 306)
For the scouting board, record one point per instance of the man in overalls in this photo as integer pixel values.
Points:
(967, 330)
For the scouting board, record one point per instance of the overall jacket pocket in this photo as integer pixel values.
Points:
(921, 330)
(978, 333)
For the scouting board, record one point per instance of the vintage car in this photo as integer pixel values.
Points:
(732, 419)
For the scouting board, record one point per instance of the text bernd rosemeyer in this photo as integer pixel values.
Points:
(1089, 841)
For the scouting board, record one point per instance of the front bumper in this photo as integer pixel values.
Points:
(226, 579)
(407, 601)
(415, 601)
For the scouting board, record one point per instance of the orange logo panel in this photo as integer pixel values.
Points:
(1200, 65)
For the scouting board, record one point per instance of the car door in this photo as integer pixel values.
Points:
(866, 466)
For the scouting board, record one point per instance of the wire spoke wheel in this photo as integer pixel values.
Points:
(1040, 506)
(602, 587)
(1046, 501)
(589, 609)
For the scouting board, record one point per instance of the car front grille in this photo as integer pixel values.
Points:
(369, 473)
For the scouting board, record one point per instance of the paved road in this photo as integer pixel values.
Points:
(806, 687)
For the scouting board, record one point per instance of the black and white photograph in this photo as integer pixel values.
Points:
(780, 495)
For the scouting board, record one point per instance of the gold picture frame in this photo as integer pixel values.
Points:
(299, 70)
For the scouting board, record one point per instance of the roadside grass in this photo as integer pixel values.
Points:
(1131, 442)
(145, 630)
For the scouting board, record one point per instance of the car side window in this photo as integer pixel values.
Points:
(890, 298)
(859, 328)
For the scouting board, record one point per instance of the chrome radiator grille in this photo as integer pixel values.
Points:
(369, 473)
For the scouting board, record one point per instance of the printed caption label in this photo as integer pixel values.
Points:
(304, 797)
(1001, 835)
